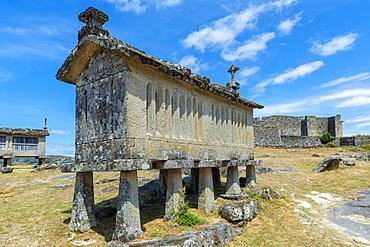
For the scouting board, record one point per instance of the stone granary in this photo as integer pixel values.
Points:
(135, 112)
(16, 142)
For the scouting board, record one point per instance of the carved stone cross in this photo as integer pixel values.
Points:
(232, 71)
(233, 84)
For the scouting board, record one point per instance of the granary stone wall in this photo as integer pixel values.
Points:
(139, 112)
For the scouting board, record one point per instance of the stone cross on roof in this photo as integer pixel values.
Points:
(94, 20)
(233, 84)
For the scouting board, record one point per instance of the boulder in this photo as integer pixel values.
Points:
(262, 170)
(267, 193)
(348, 162)
(222, 233)
(364, 157)
(6, 169)
(328, 164)
(240, 211)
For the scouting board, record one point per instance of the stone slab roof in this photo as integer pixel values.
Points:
(91, 40)
(24, 132)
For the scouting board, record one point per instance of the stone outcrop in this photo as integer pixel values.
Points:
(215, 235)
(364, 157)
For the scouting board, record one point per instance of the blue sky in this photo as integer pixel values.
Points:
(296, 57)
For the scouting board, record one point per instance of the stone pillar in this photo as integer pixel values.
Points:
(251, 180)
(162, 186)
(174, 194)
(206, 200)
(7, 162)
(216, 176)
(232, 183)
(195, 180)
(128, 225)
(83, 210)
(42, 161)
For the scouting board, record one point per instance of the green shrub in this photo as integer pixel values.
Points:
(186, 218)
(366, 146)
(326, 137)
(331, 145)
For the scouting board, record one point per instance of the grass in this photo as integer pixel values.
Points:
(32, 213)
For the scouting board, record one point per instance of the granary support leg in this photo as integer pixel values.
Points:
(83, 210)
(162, 186)
(174, 194)
(128, 212)
(195, 180)
(232, 183)
(251, 179)
(206, 200)
(216, 176)
(7, 162)
(42, 161)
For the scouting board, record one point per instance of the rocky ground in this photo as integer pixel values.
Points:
(318, 209)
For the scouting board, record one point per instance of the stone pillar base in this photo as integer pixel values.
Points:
(174, 194)
(83, 209)
(232, 184)
(251, 179)
(128, 225)
(206, 200)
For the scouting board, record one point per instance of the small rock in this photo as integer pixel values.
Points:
(71, 235)
(315, 155)
(348, 162)
(262, 170)
(60, 185)
(237, 197)
(267, 193)
(83, 242)
(290, 169)
(104, 180)
(110, 189)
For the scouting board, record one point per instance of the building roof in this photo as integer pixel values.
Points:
(24, 132)
(93, 37)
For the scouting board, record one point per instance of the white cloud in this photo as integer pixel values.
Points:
(358, 77)
(18, 31)
(342, 94)
(222, 32)
(61, 132)
(5, 76)
(286, 26)
(140, 6)
(249, 71)
(289, 75)
(339, 43)
(363, 118)
(283, 108)
(193, 63)
(355, 101)
(250, 49)
(300, 71)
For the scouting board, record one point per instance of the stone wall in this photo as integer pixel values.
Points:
(301, 142)
(288, 131)
(357, 141)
